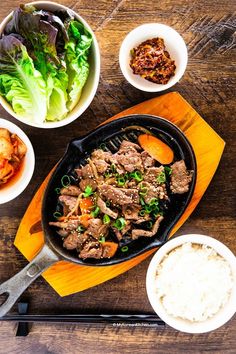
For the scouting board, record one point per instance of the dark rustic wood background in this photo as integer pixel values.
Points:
(209, 85)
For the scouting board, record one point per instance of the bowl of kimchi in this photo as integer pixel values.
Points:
(17, 161)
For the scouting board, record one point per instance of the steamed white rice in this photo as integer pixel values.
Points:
(193, 282)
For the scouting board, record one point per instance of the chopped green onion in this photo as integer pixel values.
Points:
(161, 178)
(108, 203)
(168, 170)
(88, 191)
(148, 209)
(154, 201)
(80, 228)
(107, 174)
(150, 224)
(113, 167)
(137, 175)
(142, 202)
(65, 181)
(124, 249)
(95, 212)
(102, 239)
(142, 212)
(106, 219)
(102, 146)
(57, 190)
(57, 214)
(120, 181)
(119, 224)
(157, 213)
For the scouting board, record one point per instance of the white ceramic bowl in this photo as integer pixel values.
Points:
(89, 89)
(221, 317)
(174, 43)
(13, 190)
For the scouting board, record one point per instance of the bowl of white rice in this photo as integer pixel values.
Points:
(191, 283)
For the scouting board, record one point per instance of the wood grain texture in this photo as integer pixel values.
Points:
(209, 84)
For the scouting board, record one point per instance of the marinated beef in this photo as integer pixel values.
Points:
(97, 229)
(119, 196)
(71, 190)
(136, 233)
(147, 160)
(68, 201)
(104, 209)
(180, 178)
(91, 249)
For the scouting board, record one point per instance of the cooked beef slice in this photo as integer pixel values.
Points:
(128, 156)
(68, 201)
(153, 191)
(128, 144)
(117, 233)
(71, 190)
(69, 224)
(88, 182)
(99, 154)
(101, 165)
(131, 212)
(85, 172)
(126, 228)
(136, 233)
(180, 178)
(152, 173)
(147, 160)
(71, 241)
(119, 196)
(104, 209)
(91, 249)
(97, 229)
(63, 232)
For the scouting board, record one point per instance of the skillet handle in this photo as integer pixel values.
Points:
(16, 285)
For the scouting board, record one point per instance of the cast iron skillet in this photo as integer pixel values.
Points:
(111, 134)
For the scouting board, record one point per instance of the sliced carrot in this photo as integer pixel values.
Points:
(156, 148)
(110, 248)
(84, 219)
(86, 205)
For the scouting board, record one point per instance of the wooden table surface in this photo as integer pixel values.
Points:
(209, 86)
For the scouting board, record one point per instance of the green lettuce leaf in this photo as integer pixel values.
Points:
(77, 52)
(20, 83)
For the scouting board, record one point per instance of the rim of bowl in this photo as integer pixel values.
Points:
(19, 186)
(212, 323)
(133, 79)
(79, 112)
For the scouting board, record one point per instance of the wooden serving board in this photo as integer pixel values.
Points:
(67, 278)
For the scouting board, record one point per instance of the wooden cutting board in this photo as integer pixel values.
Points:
(68, 278)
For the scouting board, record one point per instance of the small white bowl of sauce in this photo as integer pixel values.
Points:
(22, 175)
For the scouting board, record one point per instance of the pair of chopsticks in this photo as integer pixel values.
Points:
(126, 319)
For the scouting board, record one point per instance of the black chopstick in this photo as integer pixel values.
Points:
(128, 319)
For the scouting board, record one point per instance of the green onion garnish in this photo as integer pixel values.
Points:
(80, 228)
(57, 190)
(102, 239)
(142, 202)
(142, 212)
(107, 174)
(108, 203)
(65, 181)
(137, 175)
(124, 249)
(168, 170)
(95, 212)
(150, 224)
(161, 178)
(102, 146)
(154, 201)
(113, 167)
(120, 181)
(88, 191)
(119, 224)
(57, 214)
(106, 219)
